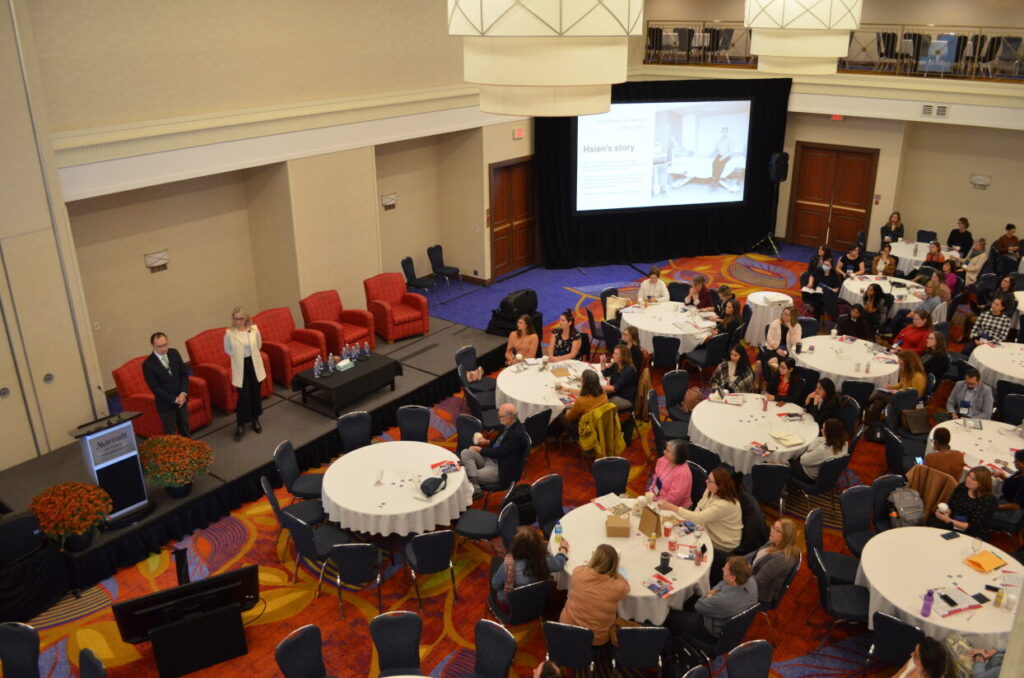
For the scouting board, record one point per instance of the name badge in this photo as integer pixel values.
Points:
(965, 408)
(657, 486)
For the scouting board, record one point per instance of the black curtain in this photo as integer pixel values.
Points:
(572, 239)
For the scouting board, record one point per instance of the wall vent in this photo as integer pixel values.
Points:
(934, 111)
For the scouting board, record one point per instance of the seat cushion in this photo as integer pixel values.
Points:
(404, 314)
(842, 569)
(677, 413)
(675, 430)
(308, 486)
(850, 603)
(857, 540)
(697, 355)
(310, 512)
(326, 536)
(483, 385)
(301, 353)
(477, 524)
(352, 333)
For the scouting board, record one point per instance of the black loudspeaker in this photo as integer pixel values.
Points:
(778, 167)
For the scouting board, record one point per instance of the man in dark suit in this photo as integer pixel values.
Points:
(498, 461)
(165, 373)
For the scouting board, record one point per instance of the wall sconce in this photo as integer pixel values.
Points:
(981, 181)
(157, 261)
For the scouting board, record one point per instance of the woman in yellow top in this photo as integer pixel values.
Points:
(911, 375)
(242, 343)
(590, 395)
(523, 340)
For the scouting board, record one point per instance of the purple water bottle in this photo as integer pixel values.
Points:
(926, 606)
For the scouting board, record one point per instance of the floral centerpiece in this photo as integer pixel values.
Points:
(71, 510)
(174, 461)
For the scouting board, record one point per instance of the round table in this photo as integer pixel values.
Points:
(1005, 361)
(764, 308)
(668, 319)
(898, 566)
(907, 298)
(353, 499)
(991, 446)
(729, 430)
(838, 359)
(911, 254)
(584, 529)
(532, 389)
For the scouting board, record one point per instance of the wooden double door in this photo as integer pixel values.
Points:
(512, 219)
(831, 198)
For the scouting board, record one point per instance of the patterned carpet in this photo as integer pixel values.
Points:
(251, 535)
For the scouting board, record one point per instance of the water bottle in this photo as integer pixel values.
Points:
(317, 367)
(330, 362)
(366, 350)
(926, 606)
(558, 533)
(345, 354)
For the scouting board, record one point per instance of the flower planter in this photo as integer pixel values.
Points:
(178, 491)
(76, 543)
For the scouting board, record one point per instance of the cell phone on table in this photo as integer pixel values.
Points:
(949, 535)
(981, 598)
(947, 600)
(990, 587)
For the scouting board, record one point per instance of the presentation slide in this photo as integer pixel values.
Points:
(662, 154)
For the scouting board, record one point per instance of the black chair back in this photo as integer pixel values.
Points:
(357, 564)
(414, 423)
(286, 463)
(738, 333)
(466, 356)
(857, 506)
(396, 635)
(659, 432)
(433, 551)
(584, 353)
(717, 347)
(355, 430)
(472, 402)
(808, 326)
(677, 291)
(605, 293)
(814, 533)
(829, 472)
(508, 523)
(675, 384)
(849, 414)
(752, 659)
(894, 452)
(547, 501)
(707, 459)
(901, 400)
(881, 488)
(1004, 388)
(275, 505)
(858, 390)
(592, 324)
(808, 378)
(19, 650)
(610, 475)
(666, 352)
(735, 629)
(536, 426)
(924, 235)
(786, 583)
(89, 665)
(640, 647)
(612, 336)
(527, 603)
(768, 481)
(569, 645)
(699, 483)
(300, 654)
(893, 640)
(1012, 411)
(495, 650)
(746, 313)
(466, 425)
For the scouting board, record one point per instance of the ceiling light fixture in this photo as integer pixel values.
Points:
(801, 37)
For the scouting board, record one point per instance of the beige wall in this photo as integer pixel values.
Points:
(499, 145)
(885, 135)
(412, 169)
(105, 62)
(337, 241)
(272, 237)
(203, 224)
(937, 169)
(463, 216)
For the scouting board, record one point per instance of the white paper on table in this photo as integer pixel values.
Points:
(787, 438)
(607, 501)
(532, 361)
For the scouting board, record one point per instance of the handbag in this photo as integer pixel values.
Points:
(432, 486)
(915, 421)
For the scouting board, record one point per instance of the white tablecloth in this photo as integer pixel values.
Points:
(911, 255)
(765, 307)
(532, 389)
(990, 446)
(729, 430)
(838, 360)
(584, 529)
(352, 498)
(898, 566)
(1005, 361)
(852, 291)
(666, 320)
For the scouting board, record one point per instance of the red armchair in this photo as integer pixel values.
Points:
(396, 313)
(136, 396)
(290, 350)
(322, 311)
(210, 362)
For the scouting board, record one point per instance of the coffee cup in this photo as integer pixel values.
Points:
(943, 507)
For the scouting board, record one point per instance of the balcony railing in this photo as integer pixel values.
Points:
(969, 52)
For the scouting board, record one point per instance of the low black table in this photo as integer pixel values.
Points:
(352, 384)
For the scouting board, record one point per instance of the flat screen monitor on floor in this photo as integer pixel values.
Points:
(137, 617)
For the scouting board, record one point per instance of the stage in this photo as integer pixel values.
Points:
(428, 376)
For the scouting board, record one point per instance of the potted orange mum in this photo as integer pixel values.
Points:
(173, 462)
(71, 513)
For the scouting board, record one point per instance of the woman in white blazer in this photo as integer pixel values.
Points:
(242, 343)
(783, 334)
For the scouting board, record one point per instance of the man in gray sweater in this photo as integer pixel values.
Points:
(736, 592)
(970, 398)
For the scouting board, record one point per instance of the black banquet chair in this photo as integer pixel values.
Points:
(428, 554)
(893, 640)
(466, 425)
(411, 281)
(699, 482)
(355, 430)
(309, 511)
(828, 476)
(299, 485)
(312, 544)
(495, 650)
(300, 654)
(414, 423)
(466, 357)
(570, 646)
(710, 354)
(525, 603)
(356, 565)
(733, 632)
(843, 602)
(675, 384)
(610, 475)
(857, 505)
(605, 293)
(89, 665)
(435, 254)
(19, 650)
(842, 569)
(640, 647)
(396, 636)
(752, 659)
(768, 482)
(547, 502)
(666, 352)
(881, 488)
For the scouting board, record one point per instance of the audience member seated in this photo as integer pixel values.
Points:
(783, 334)
(488, 462)
(523, 340)
(928, 660)
(731, 318)
(773, 562)
(782, 382)
(1008, 243)
(986, 663)
(1011, 498)
(950, 278)
(932, 295)
(823, 253)
(653, 289)
(823, 402)
(831, 443)
(526, 562)
(824, 276)
(885, 263)
(672, 480)
(911, 375)
(992, 325)
(724, 296)
(622, 378)
(960, 238)
(588, 396)
(852, 263)
(566, 341)
(856, 325)
(735, 374)
(876, 307)
(1004, 290)
(970, 398)
(914, 337)
(718, 510)
(974, 260)
(892, 230)
(699, 295)
(971, 505)
(936, 356)
(943, 458)
(737, 591)
(594, 594)
(631, 337)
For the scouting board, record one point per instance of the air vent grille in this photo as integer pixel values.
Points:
(934, 111)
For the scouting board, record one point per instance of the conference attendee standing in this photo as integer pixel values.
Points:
(242, 343)
(166, 376)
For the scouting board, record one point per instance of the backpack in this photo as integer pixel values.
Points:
(907, 507)
(523, 499)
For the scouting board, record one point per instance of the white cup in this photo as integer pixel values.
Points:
(519, 357)
(943, 507)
